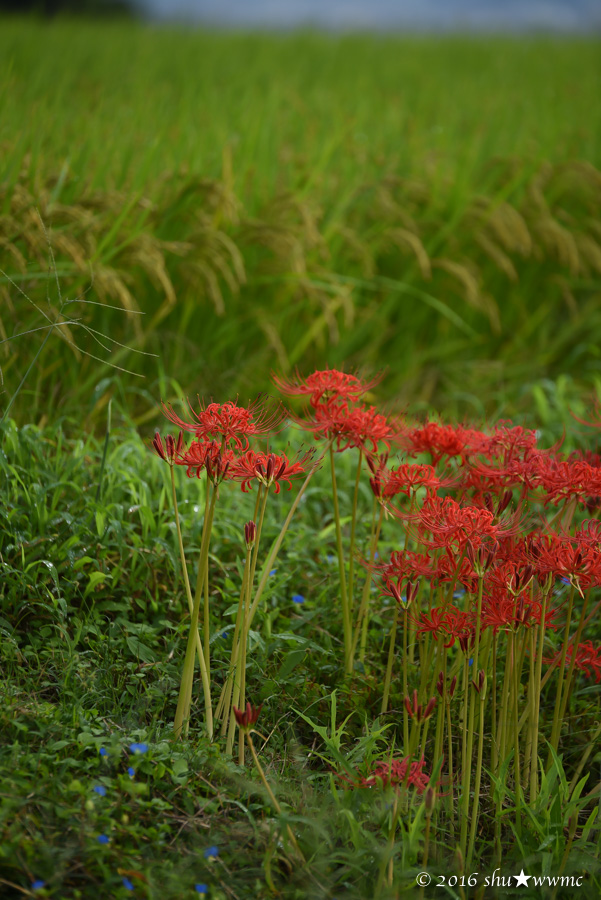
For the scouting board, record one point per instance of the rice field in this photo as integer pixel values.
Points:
(426, 204)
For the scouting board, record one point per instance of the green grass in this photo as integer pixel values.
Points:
(92, 634)
(426, 204)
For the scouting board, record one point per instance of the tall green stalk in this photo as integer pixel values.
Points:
(346, 613)
(184, 703)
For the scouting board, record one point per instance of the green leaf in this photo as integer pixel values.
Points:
(291, 660)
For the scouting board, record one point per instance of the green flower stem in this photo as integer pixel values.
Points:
(539, 665)
(227, 687)
(184, 703)
(346, 618)
(478, 780)
(238, 688)
(577, 636)
(556, 728)
(351, 573)
(183, 561)
(405, 680)
(226, 695)
(494, 757)
(515, 683)
(388, 675)
(202, 577)
(447, 703)
(363, 618)
(275, 547)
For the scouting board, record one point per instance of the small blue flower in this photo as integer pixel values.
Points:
(330, 558)
(459, 593)
(37, 885)
(471, 662)
(201, 888)
(298, 598)
(100, 789)
(138, 748)
(127, 884)
(103, 839)
(103, 751)
(566, 580)
(211, 852)
(273, 571)
(131, 772)
(224, 634)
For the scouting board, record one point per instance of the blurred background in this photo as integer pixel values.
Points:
(195, 193)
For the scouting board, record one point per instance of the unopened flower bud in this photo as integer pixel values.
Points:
(250, 533)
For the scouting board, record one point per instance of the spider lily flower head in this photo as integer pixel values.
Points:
(588, 659)
(440, 686)
(395, 773)
(171, 449)
(452, 525)
(442, 441)
(350, 425)
(229, 423)
(325, 384)
(556, 556)
(250, 534)
(391, 589)
(415, 709)
(482, 558)
(209, 456)
(268, 469)
(480, 684)
(247, 718)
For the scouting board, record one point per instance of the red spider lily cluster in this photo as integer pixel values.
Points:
(493, 575)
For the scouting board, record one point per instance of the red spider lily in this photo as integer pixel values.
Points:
(404, 479)
(395, 773)
(207, 456)
(562, 479)
(509, 441)
(587, 456)
(407, 564)
(452, 567)
(441, 688)
(589, 534)
(482, 558)
(448, 523)
(407, 478)
(391, 589)
(442, 440)
(564, 557)
(503, 474)
(247, 717)
(350, 425)
(326, 383)
(250, 534)
(588, 659)
(415, 709)
(228, 421)
(171, 449)
(447, 622)
(268, 469)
